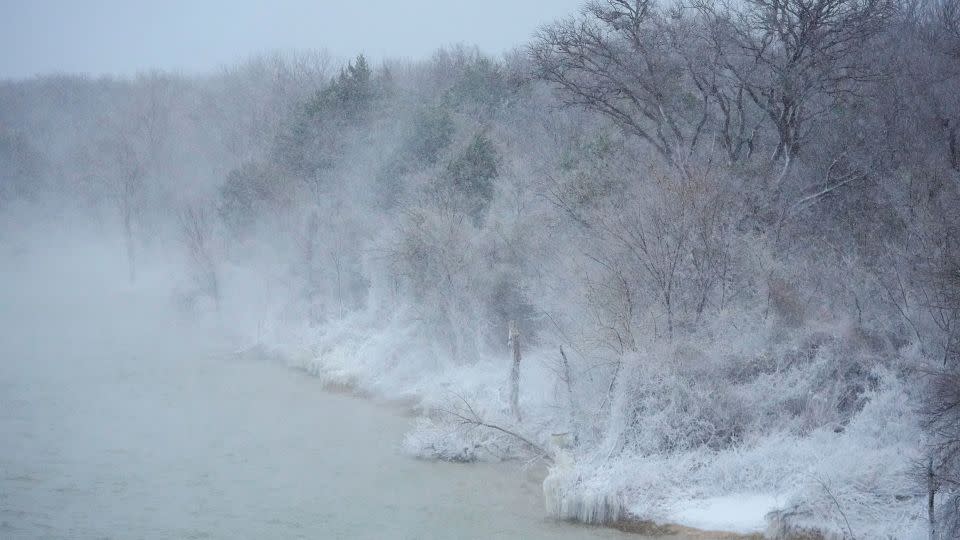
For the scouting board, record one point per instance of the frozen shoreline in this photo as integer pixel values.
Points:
(733, 492)
(718, 518)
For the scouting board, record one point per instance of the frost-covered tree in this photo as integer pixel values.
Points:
(796, 59)
(625, 59)
(468, 181)
(316, 137)
(22, 168)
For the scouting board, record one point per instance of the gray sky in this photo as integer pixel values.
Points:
(127, 36)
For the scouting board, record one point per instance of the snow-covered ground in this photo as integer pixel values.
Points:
(743, 513)
(117, 423)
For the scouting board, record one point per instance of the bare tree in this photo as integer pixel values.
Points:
(622, 59)
(197, 235)
(661, 246)
(795, 58)
(128, 186)
(938, 23)
(128, 151)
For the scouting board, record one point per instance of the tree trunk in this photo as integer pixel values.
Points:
(954, 146)
(572, 402)
(214, 288)
(128, 243)
(515, 372)
(931, 499)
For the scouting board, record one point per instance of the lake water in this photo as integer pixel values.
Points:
(115, 423)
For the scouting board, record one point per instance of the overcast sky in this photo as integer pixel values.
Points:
(126, 36)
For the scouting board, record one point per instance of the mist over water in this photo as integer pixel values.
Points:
(121, 418)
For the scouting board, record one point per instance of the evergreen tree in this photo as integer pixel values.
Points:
(471, 176)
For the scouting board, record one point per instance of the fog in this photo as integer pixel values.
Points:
(122, 419)
(656, 267)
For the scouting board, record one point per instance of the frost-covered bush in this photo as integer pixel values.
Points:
(568, 496)
(662, 408)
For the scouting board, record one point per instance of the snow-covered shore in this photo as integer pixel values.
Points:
(839, 482)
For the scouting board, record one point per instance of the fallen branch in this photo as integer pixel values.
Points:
(473, 418)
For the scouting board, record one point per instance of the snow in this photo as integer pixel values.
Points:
(740, 513)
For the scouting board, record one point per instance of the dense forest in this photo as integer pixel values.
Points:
(721, 238)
